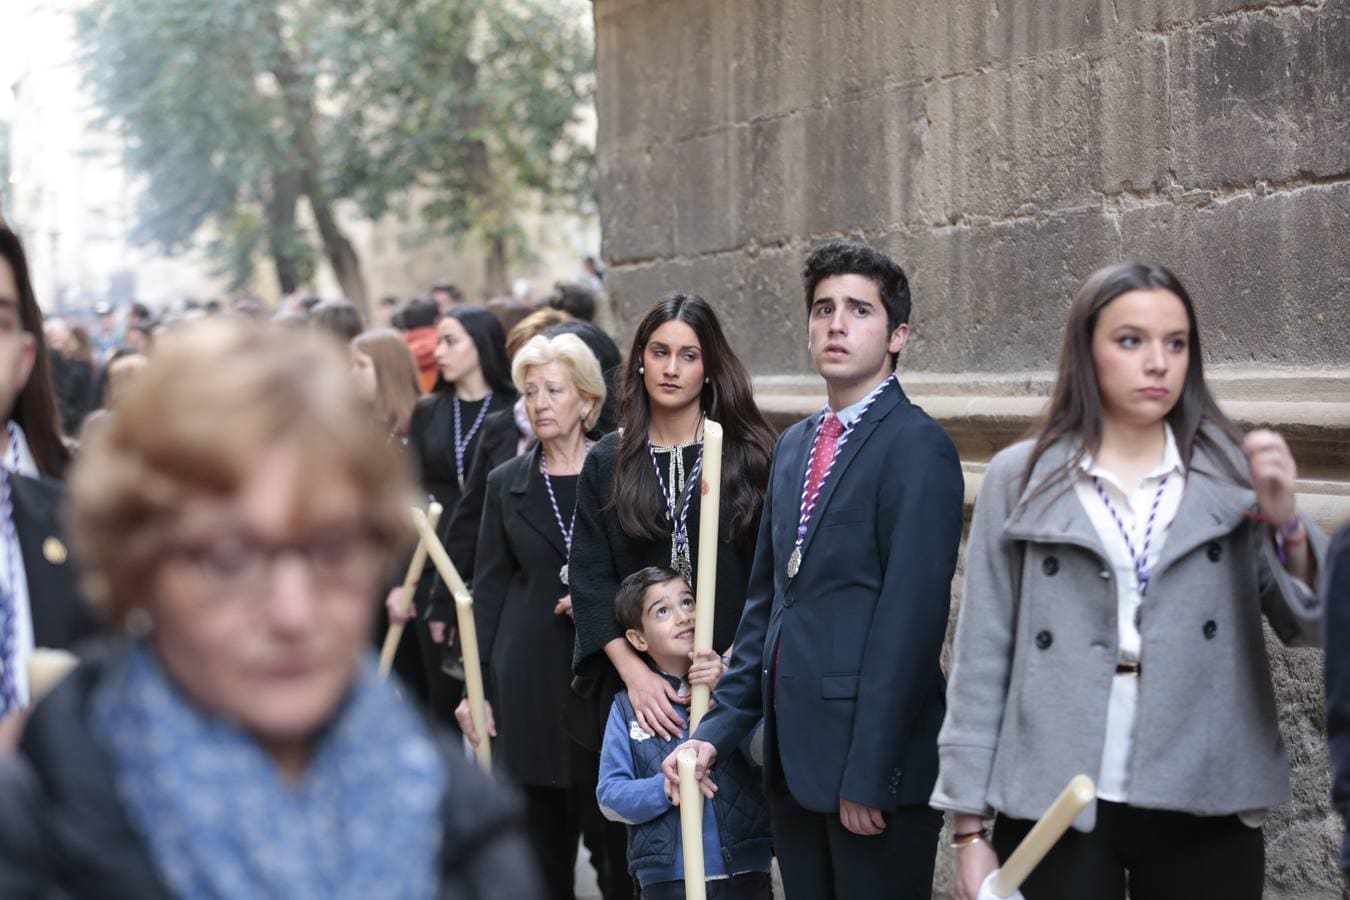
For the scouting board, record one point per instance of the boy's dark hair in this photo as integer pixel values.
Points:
(628, 602)
(854, 258)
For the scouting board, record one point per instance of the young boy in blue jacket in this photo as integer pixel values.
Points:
(655, 606)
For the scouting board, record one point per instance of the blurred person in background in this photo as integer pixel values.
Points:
(138, 339)
(384, 312)
(509, 311)
(238, 514)
(114, 381)
(106, 337)
(592, 276)
(72, 373)
(417, 321)
(386, 380)
(574, 299)
(447, 297)
(339, 318)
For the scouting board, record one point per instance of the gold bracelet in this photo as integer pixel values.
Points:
(967, 840)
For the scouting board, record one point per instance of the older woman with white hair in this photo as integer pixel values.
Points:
(523, 607)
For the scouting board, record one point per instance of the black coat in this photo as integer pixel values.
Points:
(603, 555)
(526, 647)
(60, 614)
(64, 832)
(1336, 594)
(842, 661)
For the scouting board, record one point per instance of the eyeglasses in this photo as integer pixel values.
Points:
(243, 564)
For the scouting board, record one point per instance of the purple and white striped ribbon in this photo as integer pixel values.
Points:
(1138, 560)
(462, 445)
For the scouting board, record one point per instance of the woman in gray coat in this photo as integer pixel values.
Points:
(1118, 571)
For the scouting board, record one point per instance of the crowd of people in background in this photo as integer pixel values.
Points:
(239, 489)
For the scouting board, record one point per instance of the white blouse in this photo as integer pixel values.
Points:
(1134, 508)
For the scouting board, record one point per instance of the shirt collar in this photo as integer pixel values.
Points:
(849, 415)
(27, 464)
(1171, 462)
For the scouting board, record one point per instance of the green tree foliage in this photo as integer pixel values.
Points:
(234, 111)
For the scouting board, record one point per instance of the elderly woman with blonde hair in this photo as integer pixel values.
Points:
(236, 517)
(523, 608)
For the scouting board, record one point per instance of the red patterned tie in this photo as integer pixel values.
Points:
(826, 445)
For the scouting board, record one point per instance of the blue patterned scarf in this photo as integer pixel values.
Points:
(221, 821)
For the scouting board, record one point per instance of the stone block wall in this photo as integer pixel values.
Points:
(1002, 150)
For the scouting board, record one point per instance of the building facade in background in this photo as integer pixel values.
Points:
(1001, 152)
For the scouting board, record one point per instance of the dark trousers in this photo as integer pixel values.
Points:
(1159, 855)
(556, 818)
(746, 886)
(822, 860)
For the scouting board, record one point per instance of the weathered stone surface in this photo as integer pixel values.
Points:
(1002, 151)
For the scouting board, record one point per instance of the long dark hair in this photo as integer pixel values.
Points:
(727, 399)
(1075, 409)
(35, 408)
(490, 341)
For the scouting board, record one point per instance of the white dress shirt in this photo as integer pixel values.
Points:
(1133, 504)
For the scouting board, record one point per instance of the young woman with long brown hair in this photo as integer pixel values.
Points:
(637, 500)
(1119, 568)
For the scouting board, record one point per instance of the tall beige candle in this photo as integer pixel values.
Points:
(1044, 834)
(419, 562)
(691, 826)
(468, 635)
(705, 592)
(46, 668)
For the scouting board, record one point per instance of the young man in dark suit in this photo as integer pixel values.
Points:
(839, 643)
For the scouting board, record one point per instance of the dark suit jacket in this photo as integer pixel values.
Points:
(1336, 598)
(60, 615)
(527, 648)
(848, 651)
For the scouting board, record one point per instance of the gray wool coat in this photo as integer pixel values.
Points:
(1036, 650)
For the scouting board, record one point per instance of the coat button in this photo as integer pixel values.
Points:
(1050, 565)
(1044, 639)
(1214, 552)
(1210, 630)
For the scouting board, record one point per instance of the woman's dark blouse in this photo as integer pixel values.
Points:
(603, 555)
(431, 443)
(431, 438)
